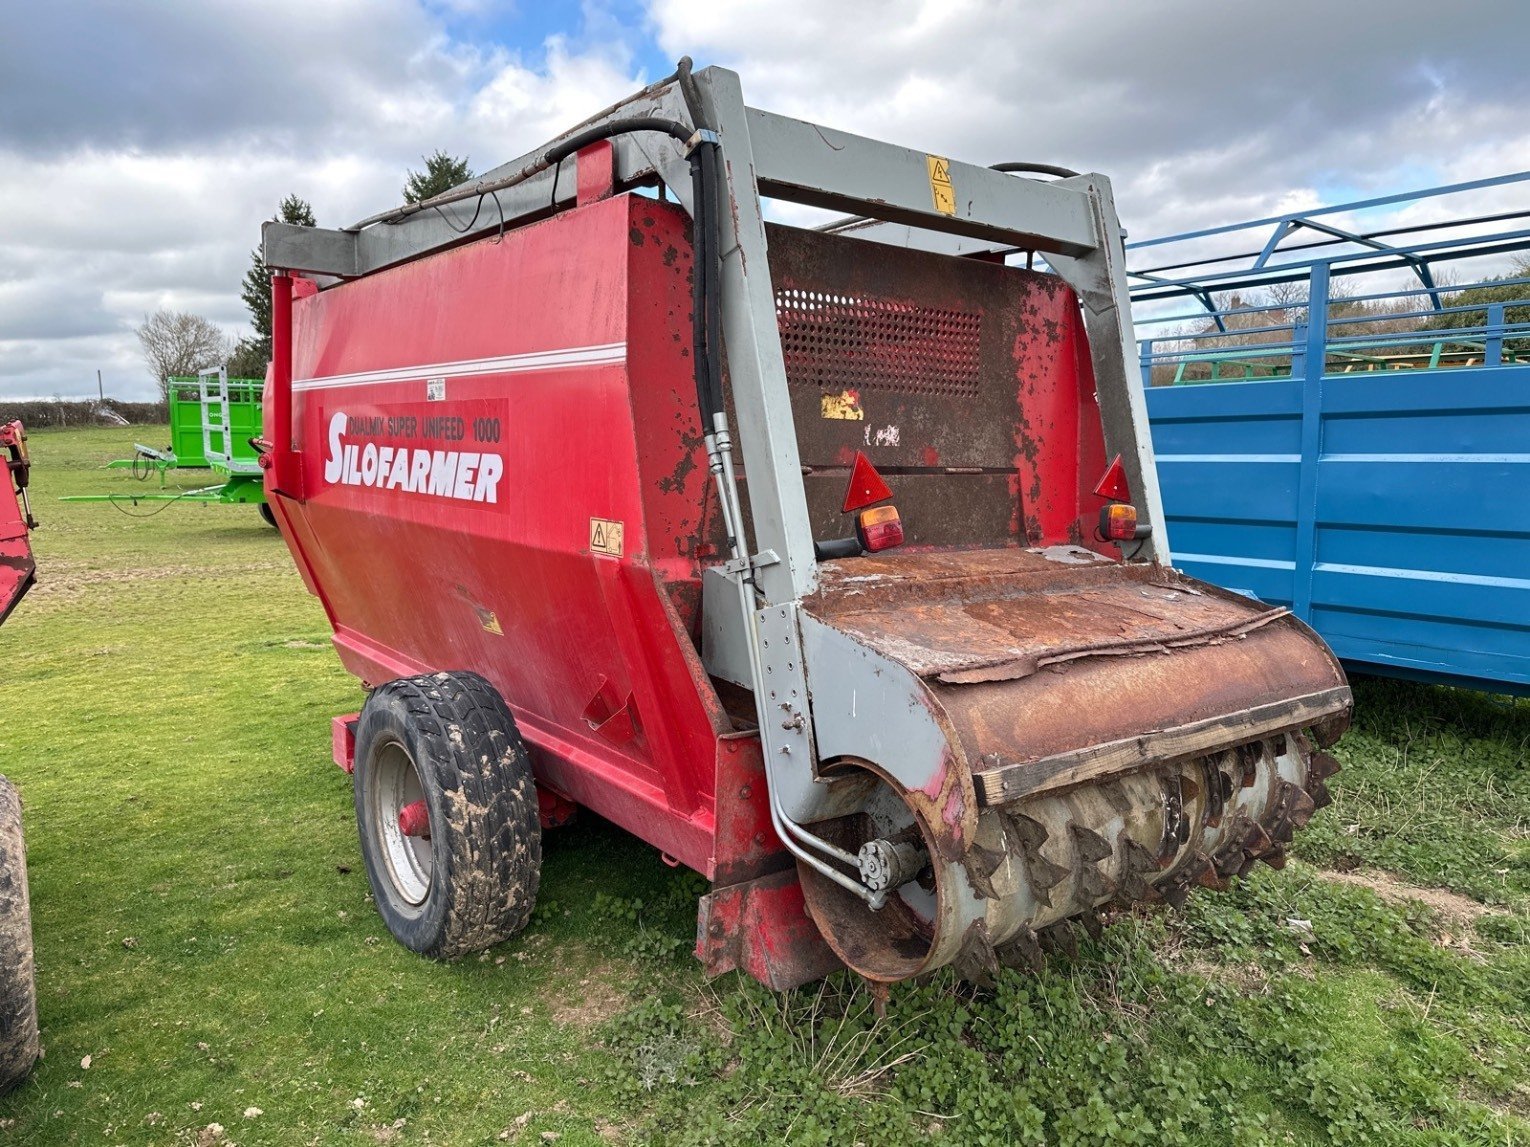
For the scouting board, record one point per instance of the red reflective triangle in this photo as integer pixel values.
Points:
(866, 485)
(1113, 484)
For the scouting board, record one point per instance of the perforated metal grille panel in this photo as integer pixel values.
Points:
(838, 342)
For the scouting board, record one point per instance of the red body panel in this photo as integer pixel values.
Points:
(549, 371)
(539, 342)
(17, 569)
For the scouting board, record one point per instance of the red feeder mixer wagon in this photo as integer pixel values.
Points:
(830, 562)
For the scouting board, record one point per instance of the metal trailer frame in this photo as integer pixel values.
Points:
(764, 155)
(1376, 504)
(217, 425)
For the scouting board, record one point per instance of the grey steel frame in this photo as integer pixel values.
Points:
(1072, 221)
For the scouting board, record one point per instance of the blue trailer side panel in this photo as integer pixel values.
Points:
(1413, 552)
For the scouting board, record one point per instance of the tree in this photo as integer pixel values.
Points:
(1503, 288)
(442, 173)
(250, 354)
(178, 343)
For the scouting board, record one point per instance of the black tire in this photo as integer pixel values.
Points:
(473, 881)
(18, 994)
(269, 515)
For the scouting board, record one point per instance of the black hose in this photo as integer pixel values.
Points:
(561, 151)
(1035, 168)
(705, 245)
(709, 260)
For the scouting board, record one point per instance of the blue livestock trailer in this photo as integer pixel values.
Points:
(1341, 415)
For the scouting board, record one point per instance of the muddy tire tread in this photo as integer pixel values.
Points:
(18, 994)
(490, 869)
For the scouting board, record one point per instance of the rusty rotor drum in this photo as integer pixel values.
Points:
(1177, 750)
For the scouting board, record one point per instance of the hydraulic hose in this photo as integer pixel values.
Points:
(1017, 168)
(705, 310)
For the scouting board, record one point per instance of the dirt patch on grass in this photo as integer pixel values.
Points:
(1250, 979)
(1457, 913)
(592, 1001)
(69, 579)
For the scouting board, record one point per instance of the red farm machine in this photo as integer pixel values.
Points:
(829, 562)
(18, 1004)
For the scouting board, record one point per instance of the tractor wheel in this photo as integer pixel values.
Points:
(269, 515)
(447, 810)
(18, 996)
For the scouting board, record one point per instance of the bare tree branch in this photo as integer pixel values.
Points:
(178, 343)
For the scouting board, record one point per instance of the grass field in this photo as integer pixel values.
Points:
(210, 969)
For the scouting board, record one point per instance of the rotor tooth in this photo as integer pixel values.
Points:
(1228, 859)
(1321, 767)
(1022, 952)
(1276, 857)
(1139, 862)
(1045, 876)
(1230, 863)
(1321, 797)
(1041, 872)
(1175, 894)
(1218, 788)
(1195, 868)
(1030, 833)
(1302, 807)
(1091, 846)
(1134, 889)
(1213, 879)
(1138, 858)
(977, 962)
(1249, 757)
(1281, 811)
(1059, 937)
(1096, 885)
(982, 863)
(1090, 922)
(1257, 842)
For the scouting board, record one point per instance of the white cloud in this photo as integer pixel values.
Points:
(131, 205)
(141, 145)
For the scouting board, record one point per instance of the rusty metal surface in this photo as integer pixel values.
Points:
(1018, 611)
(759, 927)
(1002, 781)
(1034, 654)
(963, 381)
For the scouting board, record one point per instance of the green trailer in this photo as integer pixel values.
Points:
(214, 420)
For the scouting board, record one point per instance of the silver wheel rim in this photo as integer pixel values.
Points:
(395, 786)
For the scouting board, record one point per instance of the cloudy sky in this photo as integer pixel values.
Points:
(141, 143)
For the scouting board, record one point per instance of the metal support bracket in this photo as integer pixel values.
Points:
(759, 561)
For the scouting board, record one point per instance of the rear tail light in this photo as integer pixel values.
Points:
(1118, 522)
(880, 528)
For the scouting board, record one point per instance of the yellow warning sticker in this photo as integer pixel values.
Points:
(846, 406)
(489, 620)
(940, 184)
(605, 537)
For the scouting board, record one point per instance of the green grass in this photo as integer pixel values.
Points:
(204, 934)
